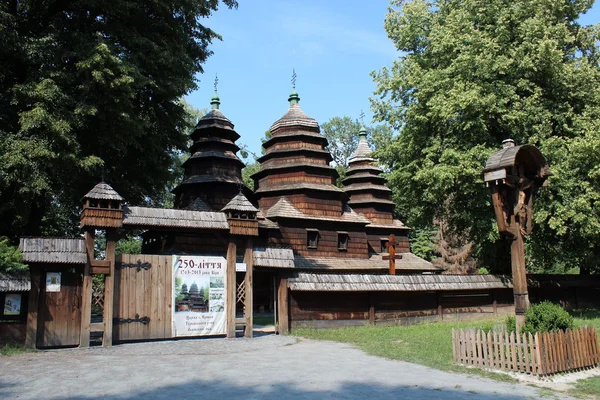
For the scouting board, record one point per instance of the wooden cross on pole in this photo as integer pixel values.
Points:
(392, 257)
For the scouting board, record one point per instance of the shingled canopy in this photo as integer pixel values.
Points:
(53, 250)
(15, 282)
(403, 283)
(240, 203)
(103, 191)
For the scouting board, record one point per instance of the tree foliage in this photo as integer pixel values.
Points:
(473, 73)
(10, 257)
(342, 135)
(87, 85)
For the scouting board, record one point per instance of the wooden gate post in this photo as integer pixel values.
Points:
(33, 307)
(231, 287)
(248, 286)
(282, 307)
(109, 287)
(86, 291)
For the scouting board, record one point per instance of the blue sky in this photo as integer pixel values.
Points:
(332, 44)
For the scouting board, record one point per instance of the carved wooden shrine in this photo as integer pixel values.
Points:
(513, 174)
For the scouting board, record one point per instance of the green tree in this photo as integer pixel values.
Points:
(10, 257)
(91, 85)
(473, 73)
(342, 135)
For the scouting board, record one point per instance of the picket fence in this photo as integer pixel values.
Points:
(539, 354)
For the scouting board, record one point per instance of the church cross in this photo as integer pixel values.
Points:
(392, 257)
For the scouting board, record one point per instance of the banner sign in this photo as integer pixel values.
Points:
(199, 296)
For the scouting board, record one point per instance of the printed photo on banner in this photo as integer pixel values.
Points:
(199, 295)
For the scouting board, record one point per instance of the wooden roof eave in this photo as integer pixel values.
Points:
(266, 170)
(296, 135)
(302, 150)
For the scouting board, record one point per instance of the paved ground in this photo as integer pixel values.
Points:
(269, 367)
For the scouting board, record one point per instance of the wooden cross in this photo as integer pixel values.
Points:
(392, 254)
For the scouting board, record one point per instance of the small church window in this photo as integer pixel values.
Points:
(312, 238)
(384, 245)
(343, 238)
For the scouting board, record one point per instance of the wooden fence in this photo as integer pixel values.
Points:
(539, 354)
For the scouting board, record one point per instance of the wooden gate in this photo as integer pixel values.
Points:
(59, 313)
(143, 297)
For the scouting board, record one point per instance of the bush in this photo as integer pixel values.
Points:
(547, 317)
(511, 323)
(542, 317)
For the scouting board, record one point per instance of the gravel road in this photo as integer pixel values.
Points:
(268, 367)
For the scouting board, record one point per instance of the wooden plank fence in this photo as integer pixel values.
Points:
(539, 354)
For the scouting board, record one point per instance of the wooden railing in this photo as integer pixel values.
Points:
(539, 354)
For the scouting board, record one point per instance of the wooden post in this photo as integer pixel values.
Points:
(519, 273)
(109, 287)
(371, 308)
(231, 287)
(33, 307)
(282, 307)
(392, 257)
(86, 291)
(248, 284)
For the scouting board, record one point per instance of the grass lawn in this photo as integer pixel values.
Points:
(430, 344)
(427, 344)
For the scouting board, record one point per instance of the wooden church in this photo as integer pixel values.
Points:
(296, 221)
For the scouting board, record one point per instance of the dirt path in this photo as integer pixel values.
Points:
(269, 367)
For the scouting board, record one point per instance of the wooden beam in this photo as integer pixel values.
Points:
(371, 308)
(282, 307)
(109, 287)
(248, 286)
(231, 287)
(33, 307)
(519, 273)
(392, 257)
(497, 203)
(86, 290)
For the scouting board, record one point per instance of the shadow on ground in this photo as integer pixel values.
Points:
(218, 390)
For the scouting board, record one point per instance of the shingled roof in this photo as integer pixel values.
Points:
(273, 257)
(239, 203)
(408, 262)
(404, 283)
(284, 209)
(199, 205)
(15, 282)
(363, 150)
(145, 217)
(53, 250)
(103, 191)
(294, 117)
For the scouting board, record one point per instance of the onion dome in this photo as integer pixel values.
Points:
(194, 288)
(365, 186)
(296, 166)
(213, 173)
(184, 289)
